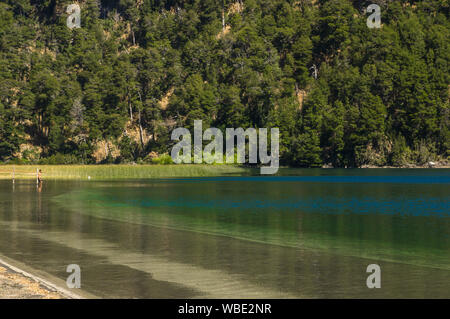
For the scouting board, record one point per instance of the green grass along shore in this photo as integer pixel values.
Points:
(108, 172)
(124, 171)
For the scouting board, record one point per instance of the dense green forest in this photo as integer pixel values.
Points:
(341, 93)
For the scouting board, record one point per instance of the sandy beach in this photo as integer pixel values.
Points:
(14, 285)
(19, 281)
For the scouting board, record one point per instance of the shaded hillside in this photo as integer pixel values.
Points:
(342, 94)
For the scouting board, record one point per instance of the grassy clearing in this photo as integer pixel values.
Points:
(108, 172)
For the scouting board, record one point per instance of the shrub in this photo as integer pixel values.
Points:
(59, 159)
(164, 159)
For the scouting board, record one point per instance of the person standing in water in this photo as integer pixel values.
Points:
(40, 176)
(39, 180)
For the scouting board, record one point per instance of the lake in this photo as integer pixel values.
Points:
(302, 234)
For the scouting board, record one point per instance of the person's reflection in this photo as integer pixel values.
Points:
(39, 214)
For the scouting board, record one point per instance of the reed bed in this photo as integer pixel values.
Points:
(110, 172)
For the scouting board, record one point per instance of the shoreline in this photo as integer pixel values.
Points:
(117, 171)
(105, 172)
(19, 281)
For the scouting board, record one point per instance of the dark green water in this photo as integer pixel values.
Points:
(308, 233)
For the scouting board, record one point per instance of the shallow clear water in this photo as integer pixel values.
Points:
(308, 233)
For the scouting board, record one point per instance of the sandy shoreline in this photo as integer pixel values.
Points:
(16, 286)
(16, 283)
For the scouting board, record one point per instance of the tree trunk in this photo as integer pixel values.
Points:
(130, 106)
(223, 15)
(131, 110)
(141, 134)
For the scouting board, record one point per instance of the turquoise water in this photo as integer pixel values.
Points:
(308, 233)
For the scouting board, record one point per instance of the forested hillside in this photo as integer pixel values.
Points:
(341, 93)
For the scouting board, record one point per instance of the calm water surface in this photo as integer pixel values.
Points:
(307, 233)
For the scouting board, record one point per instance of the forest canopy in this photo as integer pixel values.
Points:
(342, 94)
